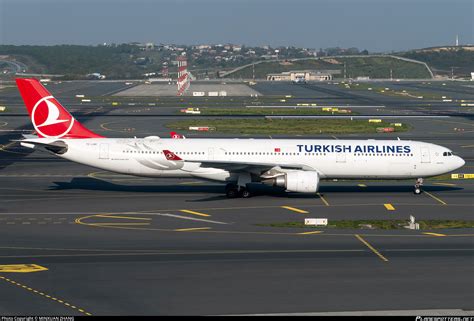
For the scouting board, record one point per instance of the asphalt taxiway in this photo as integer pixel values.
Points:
(104, 243)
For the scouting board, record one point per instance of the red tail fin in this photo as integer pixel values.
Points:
(50, 119)
(175, 135)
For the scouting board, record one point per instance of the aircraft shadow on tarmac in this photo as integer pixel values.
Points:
(94, 184)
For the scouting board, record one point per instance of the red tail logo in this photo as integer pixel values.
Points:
(171, 156)
(49, 118)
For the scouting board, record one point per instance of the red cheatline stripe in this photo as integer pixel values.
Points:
(182, 69)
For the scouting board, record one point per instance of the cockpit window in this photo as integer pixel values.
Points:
(447, 154)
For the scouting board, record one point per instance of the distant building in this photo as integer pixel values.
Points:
(307, 75)
(269, 56)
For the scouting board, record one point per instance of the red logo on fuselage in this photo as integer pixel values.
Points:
(51, 120)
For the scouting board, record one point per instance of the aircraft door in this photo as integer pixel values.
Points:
(210, 153)
(425, 155)
(104, 151)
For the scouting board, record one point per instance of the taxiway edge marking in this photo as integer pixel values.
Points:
(44, 295)
(383, 258)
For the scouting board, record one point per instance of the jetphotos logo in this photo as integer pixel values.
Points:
(49, 119)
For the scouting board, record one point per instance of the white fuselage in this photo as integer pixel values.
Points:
(351, 159)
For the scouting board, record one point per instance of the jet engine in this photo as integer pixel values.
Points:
(296, 181)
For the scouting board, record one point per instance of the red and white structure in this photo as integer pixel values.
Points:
(165, 71)
(183, 75)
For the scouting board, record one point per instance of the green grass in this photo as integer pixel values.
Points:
(391, 92)
(265, 111)
(462, 60)
(285, 126)
(380, 224)
(379, 67)
(264, 68)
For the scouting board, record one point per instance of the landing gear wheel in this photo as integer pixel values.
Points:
(418, 184)
(417, 191)
(231, 191)
(245, 193)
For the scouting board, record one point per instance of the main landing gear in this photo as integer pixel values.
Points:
(234, 191)
(417, 188)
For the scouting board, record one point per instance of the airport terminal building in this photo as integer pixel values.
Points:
(308, 75)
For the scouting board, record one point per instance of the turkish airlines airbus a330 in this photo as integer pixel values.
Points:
(297, 165)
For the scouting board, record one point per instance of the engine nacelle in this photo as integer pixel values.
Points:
(298, 181)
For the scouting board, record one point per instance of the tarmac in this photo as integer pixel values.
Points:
(108, 244)
(169, 89)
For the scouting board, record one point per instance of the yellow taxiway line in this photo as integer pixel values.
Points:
(44, 295)
(444, 184)
(113, 223)
(125, 217)
(434, 234)
(312, 232)
(323, 199)
(435, 198)
(21, 268)
(294, 209)
(194, 213)
(383, 258)
(192, 229)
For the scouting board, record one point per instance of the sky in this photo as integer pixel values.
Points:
(376, 25)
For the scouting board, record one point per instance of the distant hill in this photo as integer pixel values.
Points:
(446, 59)
(131, 61)
(375, 67)
(77, 61)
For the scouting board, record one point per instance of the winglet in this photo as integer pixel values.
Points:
(171, 156)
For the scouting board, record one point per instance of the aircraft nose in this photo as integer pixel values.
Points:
(460, 162)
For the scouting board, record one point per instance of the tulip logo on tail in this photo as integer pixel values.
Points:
(50, 120)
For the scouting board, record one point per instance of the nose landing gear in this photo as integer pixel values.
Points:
(417, 188)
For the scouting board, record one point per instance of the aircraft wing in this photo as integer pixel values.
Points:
(270, 169)
(227, 164)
